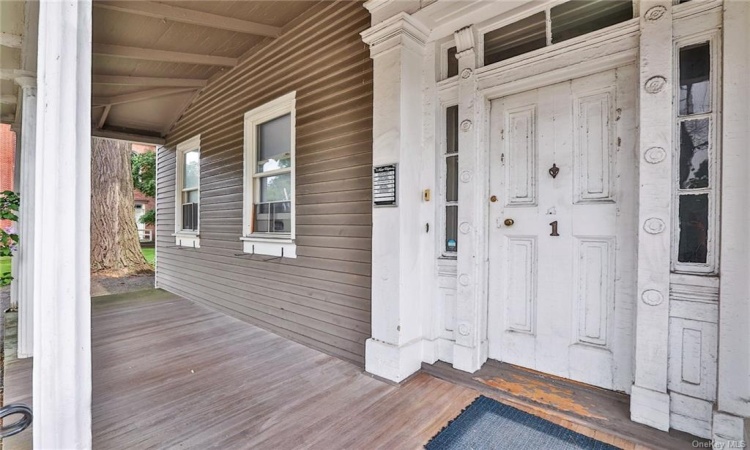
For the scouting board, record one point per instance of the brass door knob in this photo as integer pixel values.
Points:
(493, 199)
(509, 222)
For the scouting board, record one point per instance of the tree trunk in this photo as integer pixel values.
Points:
(115, 247)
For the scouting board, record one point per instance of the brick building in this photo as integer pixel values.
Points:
(7, 161)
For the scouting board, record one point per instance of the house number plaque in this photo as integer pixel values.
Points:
(384, 185)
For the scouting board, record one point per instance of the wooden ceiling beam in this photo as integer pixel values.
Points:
(130, 137)
(12, 74)
(148, 54)
(190, 16)
(8, 99)
(138, 96)
(148, 81)
(11, 40)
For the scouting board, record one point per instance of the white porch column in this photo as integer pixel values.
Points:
(16, 127)
(25, 264)
(62, 308)
(730, 423)
(649, 403)
(470, 349)
(395, 349)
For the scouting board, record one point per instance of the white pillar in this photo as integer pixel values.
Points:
(62, 309)
(649, 403)
(470, 349)
(16, 127)
(733, 409)
(25, 264)
(395, 349)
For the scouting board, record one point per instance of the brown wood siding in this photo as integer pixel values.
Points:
(321, 298)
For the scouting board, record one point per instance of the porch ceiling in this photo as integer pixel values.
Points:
(151, 59)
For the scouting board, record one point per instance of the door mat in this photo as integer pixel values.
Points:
(489, 424)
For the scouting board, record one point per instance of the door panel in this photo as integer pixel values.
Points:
(563, 303)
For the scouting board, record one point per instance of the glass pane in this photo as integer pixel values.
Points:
(191, 170)
(191, 197)
(452, 62)
(515, 39)
(451, 179)
(578, 17)
(275, 143)
(693, 247)
(273, 217)
(276, 188)
(694, 154)
(695, 83)
(451, 129)
(451, 228)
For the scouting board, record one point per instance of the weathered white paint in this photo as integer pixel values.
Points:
(649, 402)
(397, 48)
(62, 308)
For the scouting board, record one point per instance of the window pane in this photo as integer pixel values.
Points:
(693, 247)
(191, 170)
(578, 17)
(451, 129)
(515, 39)
(451, 179)
(452, 62)
(695, 83)
(191, 196)
(273, 217)
(694, 154)
(275, 143)
(451, 228)
(276, 188)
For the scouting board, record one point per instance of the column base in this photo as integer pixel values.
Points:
(649, 408)
(729, 431)
(469, 359)
(392, 362)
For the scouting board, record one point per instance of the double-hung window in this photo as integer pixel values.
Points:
(187, 193)
(269, 203)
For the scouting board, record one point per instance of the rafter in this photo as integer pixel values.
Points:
(8, 99)
(131, 137)
(12, 74)
(11, 40)
(148, 54)
(138, 96)
(148, 81)
(190, 16)
(104, 116)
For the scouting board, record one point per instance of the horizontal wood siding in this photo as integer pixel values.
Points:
(321, 298)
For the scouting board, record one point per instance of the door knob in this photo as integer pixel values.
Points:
(493, 199)
(508, 222)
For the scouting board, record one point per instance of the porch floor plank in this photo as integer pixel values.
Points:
(169, 373)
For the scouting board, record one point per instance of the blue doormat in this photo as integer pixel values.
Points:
(488, 424)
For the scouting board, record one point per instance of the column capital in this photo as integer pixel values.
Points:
(401, 30)
(28, 81)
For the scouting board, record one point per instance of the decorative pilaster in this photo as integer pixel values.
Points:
(469, 351)
(649, 398)
(24, 274)
(62, 301)
(397, 48)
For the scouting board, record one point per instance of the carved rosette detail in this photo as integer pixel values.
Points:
(655, 13)
(465, 176)
(654, 225)
(466, 125)
(655, 84)
(466, 73)
(464, 329)
(463, 279)
(464, 227)
(655, 155)
(652, 297)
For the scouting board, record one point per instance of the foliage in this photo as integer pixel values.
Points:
(149, 217)
(143, 168)
(9, 202)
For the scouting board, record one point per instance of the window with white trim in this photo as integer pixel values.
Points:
(187, 193)
(450, 190)
(269, 205)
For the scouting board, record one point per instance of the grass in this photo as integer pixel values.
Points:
(4, 264)
(148, 252)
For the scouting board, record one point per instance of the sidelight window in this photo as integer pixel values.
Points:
(450, 157)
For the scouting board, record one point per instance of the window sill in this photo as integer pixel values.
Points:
(272, 246)
(187, 239)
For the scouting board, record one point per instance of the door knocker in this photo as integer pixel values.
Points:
(554, 170)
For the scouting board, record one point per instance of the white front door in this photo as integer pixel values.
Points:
(563, 234)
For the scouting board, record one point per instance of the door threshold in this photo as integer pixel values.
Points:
(592, 411)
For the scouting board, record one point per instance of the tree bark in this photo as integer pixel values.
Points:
(115, 247)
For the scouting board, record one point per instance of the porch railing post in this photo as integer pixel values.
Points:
(62, 308)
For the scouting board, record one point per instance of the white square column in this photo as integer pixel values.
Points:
(62, 200)
(649, 402)
(397, 48)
